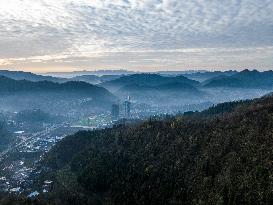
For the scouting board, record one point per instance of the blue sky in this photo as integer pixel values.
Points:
(146, 35)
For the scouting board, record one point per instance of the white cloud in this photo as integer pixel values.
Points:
(95, 28)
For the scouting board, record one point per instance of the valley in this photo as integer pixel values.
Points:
(49, 115)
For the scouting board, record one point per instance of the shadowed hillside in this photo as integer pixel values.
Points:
(244, 79)
(20, 75)
(219, 156)
(53, 97)
(147, 80)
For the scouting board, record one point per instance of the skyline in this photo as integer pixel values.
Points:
(141, 35)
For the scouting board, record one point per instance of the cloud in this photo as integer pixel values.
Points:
(100, 29)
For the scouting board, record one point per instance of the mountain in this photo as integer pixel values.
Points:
(20, 75)
(223, 81)
(146, 80)
(243, 79)
(205, 75)
(52, 97)
(171, 87)
(156, 90)
(9, 85)
(167, 91)
(220, 156)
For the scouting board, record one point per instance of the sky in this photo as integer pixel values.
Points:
(143, 35)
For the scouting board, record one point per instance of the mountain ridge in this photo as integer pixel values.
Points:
(21, 75)
(243, 79)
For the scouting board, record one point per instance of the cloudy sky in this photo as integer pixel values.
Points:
(65, 35)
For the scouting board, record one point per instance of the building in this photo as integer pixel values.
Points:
(127, 108)
(115, 111)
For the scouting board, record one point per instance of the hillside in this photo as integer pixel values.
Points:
(20, 75)
(10, 85)
(243, 79)
(220, 156)
(203, 76)
(156, 90)
(171, 87)
(52, 97)
(169, 94)
(146, 80)
(179, 91)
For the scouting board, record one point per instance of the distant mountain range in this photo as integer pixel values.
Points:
(20, 75)
(85, 72)
(151, 88)
(198, 74)
(119, 78)
(94, 79)
(205, 75)
(244, 79)
(10, 85)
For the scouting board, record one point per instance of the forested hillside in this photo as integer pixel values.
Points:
(214, 157)
(54, 98)
(147, 79)
(20, 75)
(243, 79)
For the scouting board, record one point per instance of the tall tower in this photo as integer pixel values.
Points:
(127, 107)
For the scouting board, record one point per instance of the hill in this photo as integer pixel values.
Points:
(9, 85)
(20, 75)
(171, 87)
(52, 97)
(168, 91)
(146, 80)
(205, 75)
(243, 79)
(169, 94)
(220, 156)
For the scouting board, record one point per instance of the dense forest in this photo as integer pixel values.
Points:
(220, 156)
(15, 200)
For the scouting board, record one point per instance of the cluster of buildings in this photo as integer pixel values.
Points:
(122, 110)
